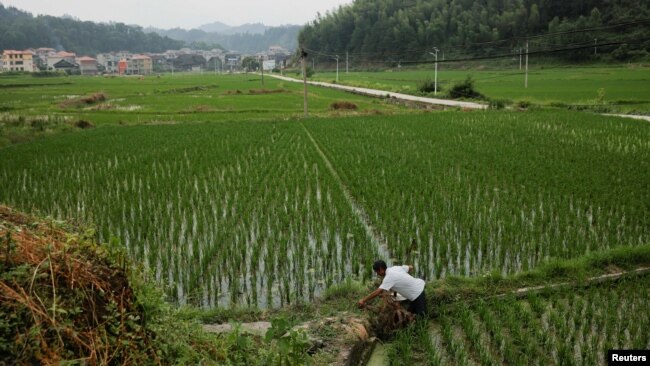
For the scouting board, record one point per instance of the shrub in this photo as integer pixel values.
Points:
(465, 89)
(343, 105)
(427, 86)
(497, 103)
(83, 124)
(523, 104)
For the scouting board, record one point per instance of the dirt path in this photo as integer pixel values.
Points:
(383, 93)
(376, 238)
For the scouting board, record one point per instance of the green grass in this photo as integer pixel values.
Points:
(626, 87)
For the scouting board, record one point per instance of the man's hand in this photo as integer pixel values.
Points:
(361, 304)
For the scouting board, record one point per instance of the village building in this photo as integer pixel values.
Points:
(67, 66)
(189, 63)
(87, 65)
(53, 59)
(17, 61)
(279, 54)
(233, 61)
(108, 62)
(140, 65)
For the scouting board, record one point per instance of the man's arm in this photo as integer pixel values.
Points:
(372, 295)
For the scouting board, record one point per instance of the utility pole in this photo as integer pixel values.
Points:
(347, 62)
(262, 67)
(303, 57)
(337, 68)
(526, 80)
(519, 58)
(435, 80)
(595, 44)
(172, 67)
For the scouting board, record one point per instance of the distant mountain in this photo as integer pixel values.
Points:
(222, 28)
(21, 30)
(243, 41)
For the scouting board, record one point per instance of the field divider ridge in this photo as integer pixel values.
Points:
(375, 237)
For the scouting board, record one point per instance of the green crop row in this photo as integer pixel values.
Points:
(550, 328)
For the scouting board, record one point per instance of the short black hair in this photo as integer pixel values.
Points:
(379, 265)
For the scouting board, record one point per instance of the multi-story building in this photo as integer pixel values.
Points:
(87, 65)
(140, 65)
(17, 61)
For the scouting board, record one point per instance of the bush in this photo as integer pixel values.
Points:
(523, 104)
(465, 89)
(427, 86)
(343, 106)
(83, 124)
(497, 103)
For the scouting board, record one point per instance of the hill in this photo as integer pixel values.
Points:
(387, 30)
(242, 39)
(22, 30)
(222, 28)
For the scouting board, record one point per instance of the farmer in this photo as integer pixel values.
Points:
(398, 279)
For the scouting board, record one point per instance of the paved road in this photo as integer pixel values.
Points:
(383, 93)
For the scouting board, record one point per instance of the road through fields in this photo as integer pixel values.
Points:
(383, 93)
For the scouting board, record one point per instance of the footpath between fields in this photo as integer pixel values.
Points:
(383, 93)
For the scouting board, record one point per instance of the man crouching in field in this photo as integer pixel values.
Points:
(398, 279)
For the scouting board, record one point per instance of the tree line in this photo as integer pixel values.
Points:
(21, 30)
(394, 30)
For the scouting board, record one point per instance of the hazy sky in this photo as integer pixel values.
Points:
(182, 13)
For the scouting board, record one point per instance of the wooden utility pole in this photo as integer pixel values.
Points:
(262, 67)
(526, 80)
(303, 60)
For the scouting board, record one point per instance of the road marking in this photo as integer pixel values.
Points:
(375, 237)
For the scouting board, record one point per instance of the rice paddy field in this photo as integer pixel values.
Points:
(269, 213)
(217, 187)
(624, 88)
(52, 101)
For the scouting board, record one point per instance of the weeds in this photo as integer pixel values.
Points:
(83, 101)
(343, 105)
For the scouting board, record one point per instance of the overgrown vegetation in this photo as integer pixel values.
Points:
(428, 86)
(65, 298)
(465, 90)
(83, 101)
(344, 105)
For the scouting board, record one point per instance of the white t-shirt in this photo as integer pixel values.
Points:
(397, 279)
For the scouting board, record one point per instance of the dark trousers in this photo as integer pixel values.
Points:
(419, 306)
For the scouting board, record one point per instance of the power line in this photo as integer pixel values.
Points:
(576, 47)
